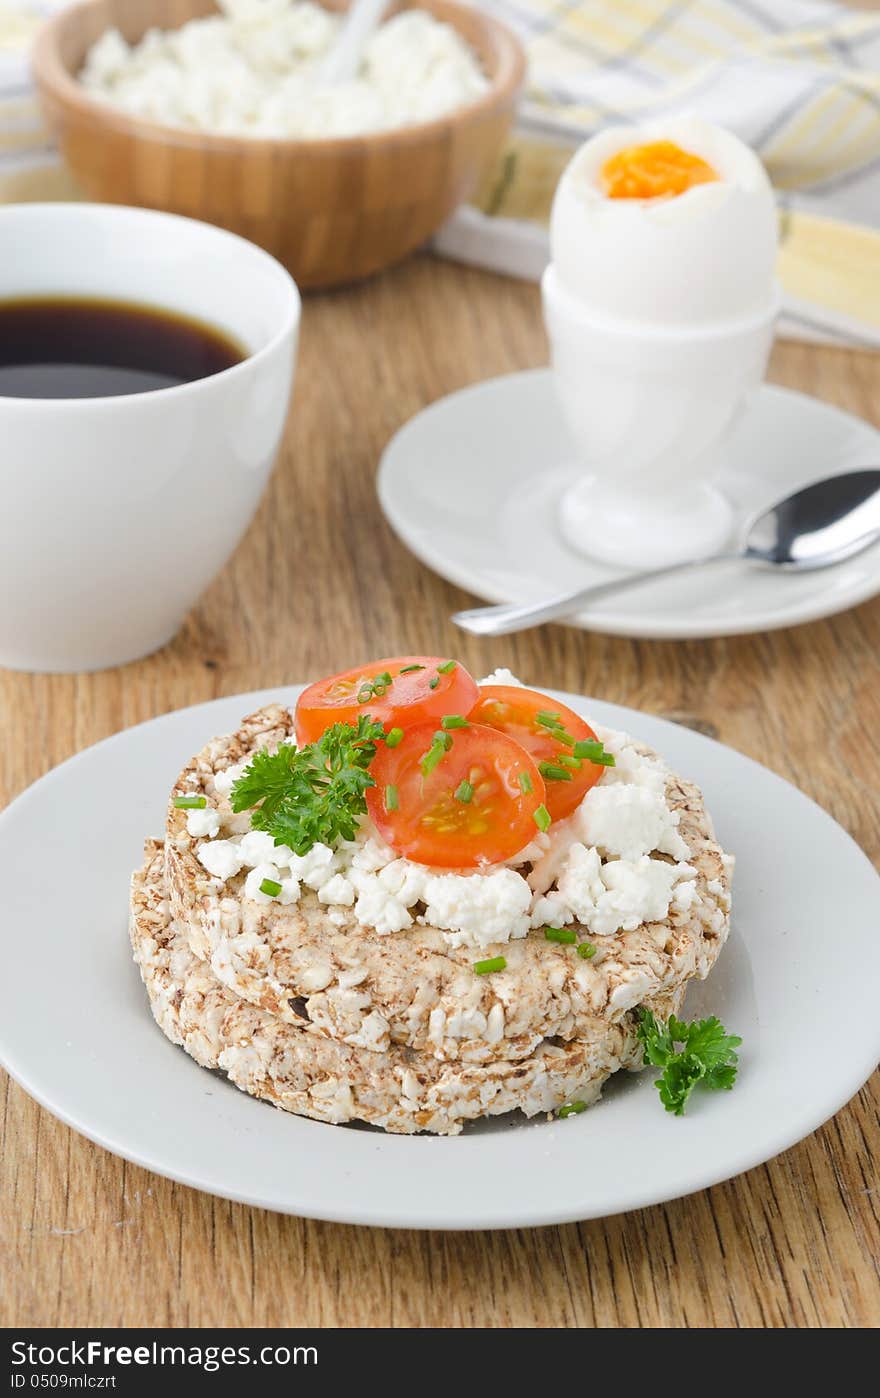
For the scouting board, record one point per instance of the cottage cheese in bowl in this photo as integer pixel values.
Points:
(253, 69)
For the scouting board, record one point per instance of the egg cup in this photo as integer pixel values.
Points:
(648, 407)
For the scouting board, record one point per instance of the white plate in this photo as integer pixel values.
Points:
(798, 980)
(472, 485)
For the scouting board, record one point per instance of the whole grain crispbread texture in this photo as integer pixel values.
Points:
(312, 1075)
(352, 984)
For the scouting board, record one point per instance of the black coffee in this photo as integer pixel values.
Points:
(67, 347)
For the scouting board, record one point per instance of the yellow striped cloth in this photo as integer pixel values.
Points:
(798, 79)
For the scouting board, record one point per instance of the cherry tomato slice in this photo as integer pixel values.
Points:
(475, 806)
(516, 711)
(401, 692)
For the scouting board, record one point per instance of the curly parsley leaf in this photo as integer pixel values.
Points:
(266, 778)
(315, 794)
(708, 1056)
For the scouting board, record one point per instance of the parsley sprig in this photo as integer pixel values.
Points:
(312, 795)
(708, 1056)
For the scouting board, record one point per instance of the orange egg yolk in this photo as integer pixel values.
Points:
(659, 170)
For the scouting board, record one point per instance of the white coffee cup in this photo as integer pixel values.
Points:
(117, 512)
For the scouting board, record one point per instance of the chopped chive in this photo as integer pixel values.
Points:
(572, 1109)
(552, 773)
(190, 803)
(436, 752)
(432, 684)
(525, 783)
(495, 963)
(586, 950)
(430, 760)
(568, 761)
(374, 688)
(454, 721)
(561, 934)
(542, 818)
(443, 740)
(561, 735)
(554, 725)
(270, 887)
(393, 737)
(381, 682)
(548, 719)
(446, 668)
(594, 751)
(464, 792)
(391, 802)
(408, 669)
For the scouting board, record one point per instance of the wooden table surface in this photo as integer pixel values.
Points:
(318, 584)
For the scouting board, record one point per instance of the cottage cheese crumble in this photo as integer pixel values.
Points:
(203, 823)
(253, 70)
(617, 862)
(501, 676)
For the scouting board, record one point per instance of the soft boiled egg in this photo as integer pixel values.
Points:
(672, 223)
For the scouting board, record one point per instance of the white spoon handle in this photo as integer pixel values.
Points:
(507, 617)
(344, 58)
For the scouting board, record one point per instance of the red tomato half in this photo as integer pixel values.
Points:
(514, 711)
(475, 807)
(400, 692)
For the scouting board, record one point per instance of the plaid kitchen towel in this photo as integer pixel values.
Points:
(799, 80)
(29, 166)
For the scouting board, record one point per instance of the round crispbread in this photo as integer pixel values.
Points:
(411, 988)
(312, 1075)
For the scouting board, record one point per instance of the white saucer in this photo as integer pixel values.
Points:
(76, 1030)
(472, 486)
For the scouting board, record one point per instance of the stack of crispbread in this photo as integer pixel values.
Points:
(329, 1019)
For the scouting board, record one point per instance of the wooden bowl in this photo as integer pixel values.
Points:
(331, 210)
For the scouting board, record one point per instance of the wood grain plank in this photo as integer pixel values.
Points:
(320, 583)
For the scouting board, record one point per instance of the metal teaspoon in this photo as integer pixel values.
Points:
(816, 527)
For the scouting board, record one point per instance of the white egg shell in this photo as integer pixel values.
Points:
(707, 254)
